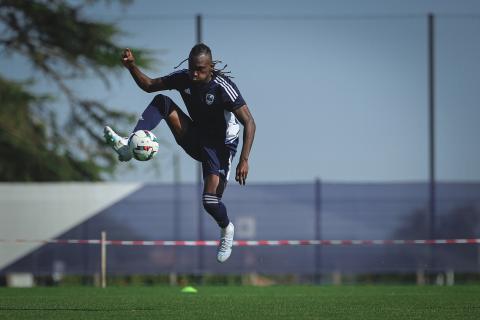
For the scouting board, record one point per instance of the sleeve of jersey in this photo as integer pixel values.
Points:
(231, 96)
(175, 80)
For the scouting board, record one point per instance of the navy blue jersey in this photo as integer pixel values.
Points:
(210, 105)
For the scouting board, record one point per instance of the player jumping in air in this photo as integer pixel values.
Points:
(209, 135)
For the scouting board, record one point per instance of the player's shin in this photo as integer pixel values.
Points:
(215, 207)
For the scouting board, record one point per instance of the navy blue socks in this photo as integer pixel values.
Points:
(215, 207)
(158, 109)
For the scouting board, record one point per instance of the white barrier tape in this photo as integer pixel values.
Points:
(246, 243)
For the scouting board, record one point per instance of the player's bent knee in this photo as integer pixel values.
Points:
(164, 104)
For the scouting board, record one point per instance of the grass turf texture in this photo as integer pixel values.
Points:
(231, 302)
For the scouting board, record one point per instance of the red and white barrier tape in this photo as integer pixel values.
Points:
(248, 243)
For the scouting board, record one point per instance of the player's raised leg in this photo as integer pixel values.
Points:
(161, 107)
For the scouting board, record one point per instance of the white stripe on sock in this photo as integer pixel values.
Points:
(210, 196)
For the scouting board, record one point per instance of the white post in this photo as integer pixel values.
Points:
(103, 245)
(421, 280)
(450, 275)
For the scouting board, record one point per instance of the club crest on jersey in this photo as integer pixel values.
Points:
(209, 98)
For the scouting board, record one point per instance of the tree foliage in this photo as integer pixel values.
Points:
(62, 45)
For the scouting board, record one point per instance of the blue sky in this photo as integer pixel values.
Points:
(340, 94)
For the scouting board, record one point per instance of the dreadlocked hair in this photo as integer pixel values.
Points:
(202, 48)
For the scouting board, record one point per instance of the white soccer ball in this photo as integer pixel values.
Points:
(144, 145)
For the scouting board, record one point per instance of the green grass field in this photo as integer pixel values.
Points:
(247, 303)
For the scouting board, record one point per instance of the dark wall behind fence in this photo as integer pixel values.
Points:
(275, 212)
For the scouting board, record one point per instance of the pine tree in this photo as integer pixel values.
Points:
(63, 45)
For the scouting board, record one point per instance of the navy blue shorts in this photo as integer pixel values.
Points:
(216, 158)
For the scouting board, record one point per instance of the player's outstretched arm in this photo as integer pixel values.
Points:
(245, 117)
(144, 82)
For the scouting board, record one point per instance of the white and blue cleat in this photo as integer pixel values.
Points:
(119, 144)
(226, 242)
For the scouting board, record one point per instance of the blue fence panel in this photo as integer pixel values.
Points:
(275, 212)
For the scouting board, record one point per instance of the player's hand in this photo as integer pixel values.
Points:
(242, 172)
(128, 59)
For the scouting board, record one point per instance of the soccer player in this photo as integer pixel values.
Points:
(210, 134)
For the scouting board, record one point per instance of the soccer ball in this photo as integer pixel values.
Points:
(144, 145)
